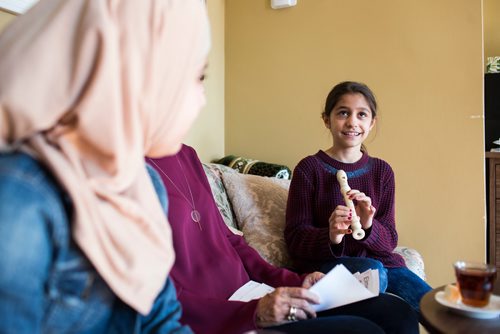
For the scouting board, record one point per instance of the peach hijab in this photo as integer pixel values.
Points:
(90, 87)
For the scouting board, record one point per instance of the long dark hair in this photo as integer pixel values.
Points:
(350, 87)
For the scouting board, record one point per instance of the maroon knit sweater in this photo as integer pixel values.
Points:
(314, 194)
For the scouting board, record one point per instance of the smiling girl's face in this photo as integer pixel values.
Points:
(350, 121)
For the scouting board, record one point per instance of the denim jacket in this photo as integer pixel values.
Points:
(47, 285)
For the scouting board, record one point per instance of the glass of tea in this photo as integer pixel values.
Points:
(475, 282)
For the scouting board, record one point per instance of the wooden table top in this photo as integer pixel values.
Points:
(437, 318)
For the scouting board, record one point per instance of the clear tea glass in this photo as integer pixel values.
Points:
(475, 282)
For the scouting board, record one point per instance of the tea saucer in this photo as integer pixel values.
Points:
(492, 310)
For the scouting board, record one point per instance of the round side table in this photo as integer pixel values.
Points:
(436, 318)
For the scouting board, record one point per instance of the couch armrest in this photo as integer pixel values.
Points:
(413, 260)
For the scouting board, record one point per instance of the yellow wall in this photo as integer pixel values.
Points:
(207, 134)
(491, 28)
(5, 18)
(422, 58)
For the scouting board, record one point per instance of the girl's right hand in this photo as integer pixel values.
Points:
(340, 220)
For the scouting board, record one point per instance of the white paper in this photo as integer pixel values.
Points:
(339, 287)
(369, 279)
(251, 290)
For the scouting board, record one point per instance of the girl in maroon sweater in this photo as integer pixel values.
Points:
(318, 232)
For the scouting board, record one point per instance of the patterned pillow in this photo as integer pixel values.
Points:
(255, 167)
(214, 172)
(259, 204)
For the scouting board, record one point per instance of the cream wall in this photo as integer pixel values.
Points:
(422, 58)
(207, 134)
(491, 28)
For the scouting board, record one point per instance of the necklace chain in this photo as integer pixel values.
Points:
(195, 214)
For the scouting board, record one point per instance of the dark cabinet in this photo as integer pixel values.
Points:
(491, 109)
(493, 196)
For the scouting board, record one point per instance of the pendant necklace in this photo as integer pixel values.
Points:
(195, 214)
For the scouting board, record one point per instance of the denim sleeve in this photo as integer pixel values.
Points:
(159, 188)
(29, 208)
(166, 312)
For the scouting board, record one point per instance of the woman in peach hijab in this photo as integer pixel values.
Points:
(89, 87)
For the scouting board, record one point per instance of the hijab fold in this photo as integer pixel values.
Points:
(87, 86)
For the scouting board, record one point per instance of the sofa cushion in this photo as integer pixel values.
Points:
(259, 204)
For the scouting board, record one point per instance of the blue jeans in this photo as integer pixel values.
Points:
(399, 281)
(47, 285)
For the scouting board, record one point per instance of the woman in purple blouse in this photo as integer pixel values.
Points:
(318, 232)
(212, 263)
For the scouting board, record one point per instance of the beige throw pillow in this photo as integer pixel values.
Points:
(259, 204)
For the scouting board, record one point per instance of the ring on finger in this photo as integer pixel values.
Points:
(292, 314)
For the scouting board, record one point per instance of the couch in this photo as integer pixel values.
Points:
(254, 206)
